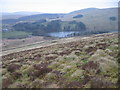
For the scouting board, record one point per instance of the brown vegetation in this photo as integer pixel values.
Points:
(82, 63)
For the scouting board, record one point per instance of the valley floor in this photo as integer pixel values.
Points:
(79, 62)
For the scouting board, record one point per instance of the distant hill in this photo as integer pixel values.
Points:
(20, 13)
(32, 18)
(95, 19)
(4, 17)
(41, 16)
(84, 10)
(16, 15)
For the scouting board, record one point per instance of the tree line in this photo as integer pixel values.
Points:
(43, 27)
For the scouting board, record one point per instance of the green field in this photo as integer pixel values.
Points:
(14, 34)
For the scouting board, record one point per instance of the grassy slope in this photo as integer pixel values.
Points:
(98, 18)
(88, 62)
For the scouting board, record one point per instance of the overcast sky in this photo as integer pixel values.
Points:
(54, 6)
